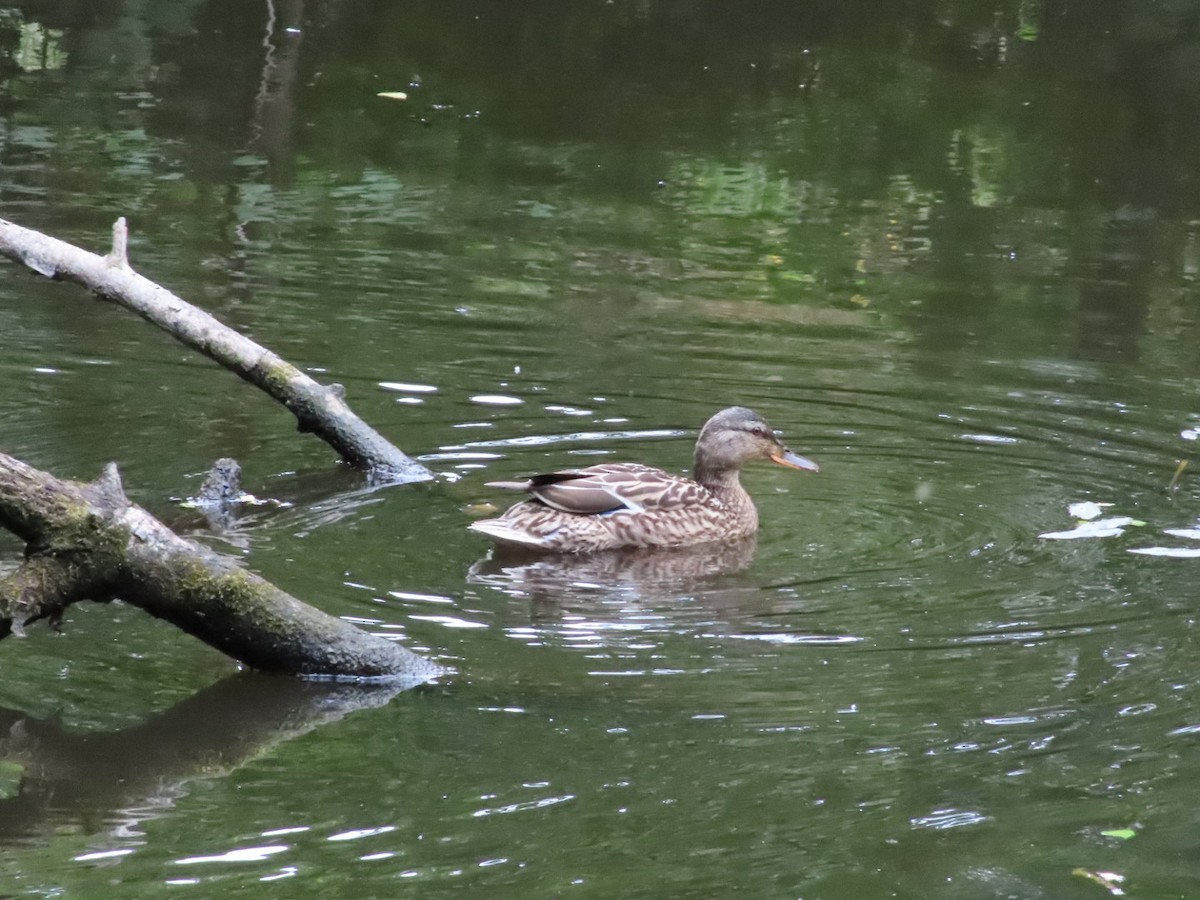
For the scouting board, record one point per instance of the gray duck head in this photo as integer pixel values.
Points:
(736, 436)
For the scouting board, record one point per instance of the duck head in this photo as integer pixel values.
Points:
(738, 435)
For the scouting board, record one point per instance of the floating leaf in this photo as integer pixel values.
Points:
(1122, 833)
(1179, 470)
(392, 95)
(1110, 881)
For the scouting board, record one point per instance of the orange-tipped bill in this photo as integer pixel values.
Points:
(794, 461)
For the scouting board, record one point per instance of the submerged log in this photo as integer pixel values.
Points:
(320, 409)
(89, 542)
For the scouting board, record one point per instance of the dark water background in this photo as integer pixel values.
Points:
(950, 249)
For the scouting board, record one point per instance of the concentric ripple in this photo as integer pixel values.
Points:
(917, 496)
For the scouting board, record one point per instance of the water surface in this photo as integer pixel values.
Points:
(948, 249)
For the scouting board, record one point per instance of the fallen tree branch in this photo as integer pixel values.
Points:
(320, 409)
(88, 542)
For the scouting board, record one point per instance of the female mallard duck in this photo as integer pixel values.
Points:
(615, 505)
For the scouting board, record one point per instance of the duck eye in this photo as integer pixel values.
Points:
(758, 431)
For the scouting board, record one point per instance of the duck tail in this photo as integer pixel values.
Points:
(504, 533)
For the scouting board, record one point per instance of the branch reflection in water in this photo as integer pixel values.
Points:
(114, 781)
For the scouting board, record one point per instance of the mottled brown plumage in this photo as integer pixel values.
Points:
(615, 505)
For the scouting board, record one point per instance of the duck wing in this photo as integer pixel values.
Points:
(609, 487)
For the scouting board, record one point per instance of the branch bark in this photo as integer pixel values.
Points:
(88, 542)
(320, 409)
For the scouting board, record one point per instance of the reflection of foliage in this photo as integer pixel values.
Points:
(1029, 15)
(38, 48)
(797, 154)
(744, 189)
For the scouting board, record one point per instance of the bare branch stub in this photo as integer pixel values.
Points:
(110, 276)
(118, 256)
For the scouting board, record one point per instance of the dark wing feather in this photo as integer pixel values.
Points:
(609, 487)
(581, 496)
(535, 481)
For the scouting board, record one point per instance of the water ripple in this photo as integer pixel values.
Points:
(949, 818)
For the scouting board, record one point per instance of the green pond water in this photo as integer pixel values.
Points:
(949, 249)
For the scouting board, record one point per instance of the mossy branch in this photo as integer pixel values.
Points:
(88, 542)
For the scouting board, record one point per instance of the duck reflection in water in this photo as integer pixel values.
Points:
(630, 574)
(615, 506)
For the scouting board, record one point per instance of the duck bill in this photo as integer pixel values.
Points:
(794, 461)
